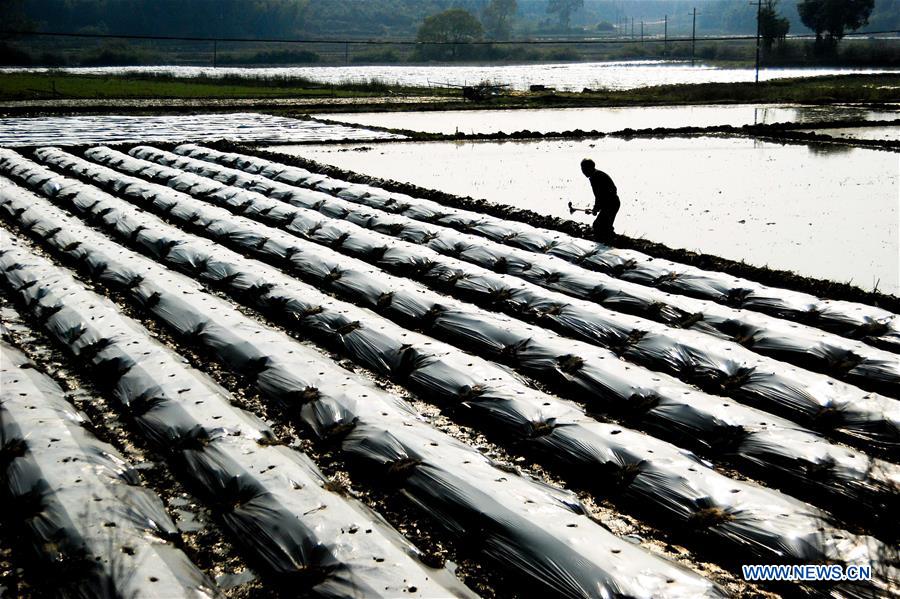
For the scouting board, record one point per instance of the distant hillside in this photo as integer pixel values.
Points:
(381, 18)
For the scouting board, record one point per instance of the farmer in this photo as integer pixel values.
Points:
(606, 200)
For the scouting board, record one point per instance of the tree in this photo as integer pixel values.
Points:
(563, 10)
(772, 26)
(833, 18)
(454, 26)
(498, 17)
(12, 16)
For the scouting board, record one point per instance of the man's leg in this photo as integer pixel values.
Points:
(611, 212)
(605, 221)
(599, 227)
(603, 226)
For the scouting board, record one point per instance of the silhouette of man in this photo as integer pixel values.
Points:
(606, 200)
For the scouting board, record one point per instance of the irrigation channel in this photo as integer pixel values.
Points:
(373, 394)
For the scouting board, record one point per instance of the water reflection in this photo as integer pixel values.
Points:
(822, 149)
(820, 114)
(888, 133)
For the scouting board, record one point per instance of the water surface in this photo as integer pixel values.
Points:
(824, 211)
(608, 119)
(890, 133)
(572, 76)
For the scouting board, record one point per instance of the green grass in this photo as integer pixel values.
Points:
(56, 85)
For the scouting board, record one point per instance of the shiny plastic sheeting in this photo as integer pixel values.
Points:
(537, 531)
(801, 345)
(779, 450)
(666, 481)
(670, 483)
(81, 505)
(808, 398)
(271, 498)
(858, 321)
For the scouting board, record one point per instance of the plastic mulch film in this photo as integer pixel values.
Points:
(863, 418)
(538, 532)
(80, 504)
(849, 319)
(668, 481)
(801, 345)
(271, 498)
(781, 451)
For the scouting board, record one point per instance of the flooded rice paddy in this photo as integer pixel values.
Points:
(72, 130)
(608, 119)
(823, 211)
(561, 76)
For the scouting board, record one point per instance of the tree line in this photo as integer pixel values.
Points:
(403, 18)
(453, 23)
(829, 19)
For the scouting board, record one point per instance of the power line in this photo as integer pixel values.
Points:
(400, 42)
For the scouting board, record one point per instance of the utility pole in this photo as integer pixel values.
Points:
(758, 32)
(666, 33)
(693, 36)
(219, 24)
(632, 27)
(642, 33)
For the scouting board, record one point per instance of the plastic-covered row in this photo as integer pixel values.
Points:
(808, 347)
(668, 482)
(271, 498)
(540, 533)
(866, 419)
(777, 448)
(858, 321)
(79, 503)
